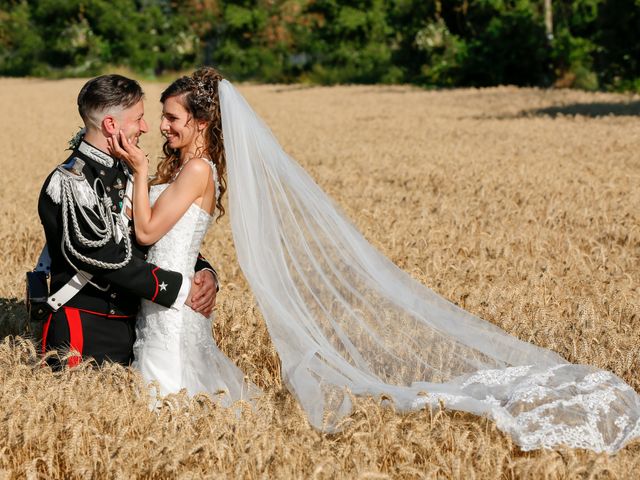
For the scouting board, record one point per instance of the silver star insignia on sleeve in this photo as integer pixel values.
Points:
(163, 286)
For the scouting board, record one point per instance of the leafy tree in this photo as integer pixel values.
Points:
(617, 34)
(505, 42)
(21, 46)
(351, 42)
(595, 43)
(81, 37)
(573, 43)
(414, 52)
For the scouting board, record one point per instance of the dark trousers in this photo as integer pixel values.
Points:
(105, 338)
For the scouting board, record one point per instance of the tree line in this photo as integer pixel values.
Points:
(589, 44)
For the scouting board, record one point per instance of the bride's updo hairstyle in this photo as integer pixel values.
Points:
(198, 94)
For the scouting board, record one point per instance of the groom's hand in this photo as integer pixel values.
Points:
(203, 293)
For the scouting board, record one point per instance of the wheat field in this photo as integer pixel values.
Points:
(520, 205)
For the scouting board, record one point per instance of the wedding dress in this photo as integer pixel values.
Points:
(345, 320)
(175, 346)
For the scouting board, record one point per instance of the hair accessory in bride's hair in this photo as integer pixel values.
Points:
(204, 94)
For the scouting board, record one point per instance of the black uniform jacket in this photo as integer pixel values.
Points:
(123, 287)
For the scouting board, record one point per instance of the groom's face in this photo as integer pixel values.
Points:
(131, 122)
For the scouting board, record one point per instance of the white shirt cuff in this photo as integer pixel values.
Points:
(185, 288)
(215, 277)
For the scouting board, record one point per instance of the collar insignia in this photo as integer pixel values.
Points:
(97, 155)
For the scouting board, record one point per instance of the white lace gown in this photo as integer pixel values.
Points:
(175, 346)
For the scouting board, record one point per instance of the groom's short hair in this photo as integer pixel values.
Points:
(107, 94)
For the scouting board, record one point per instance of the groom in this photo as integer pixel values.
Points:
(98, 271)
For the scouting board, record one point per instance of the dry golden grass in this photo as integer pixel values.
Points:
(501, 200)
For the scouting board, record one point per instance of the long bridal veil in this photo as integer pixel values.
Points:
(344, 318)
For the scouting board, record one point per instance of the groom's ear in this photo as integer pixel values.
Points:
(109, 125)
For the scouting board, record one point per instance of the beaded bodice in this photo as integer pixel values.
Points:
(178, 249)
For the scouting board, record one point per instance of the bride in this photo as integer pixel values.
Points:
(174, 346)
(343, 318)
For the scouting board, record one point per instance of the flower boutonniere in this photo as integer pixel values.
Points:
(75, 141)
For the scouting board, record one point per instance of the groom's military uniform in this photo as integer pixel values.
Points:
(80, 207)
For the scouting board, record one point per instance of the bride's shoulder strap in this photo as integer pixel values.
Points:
(214, 170)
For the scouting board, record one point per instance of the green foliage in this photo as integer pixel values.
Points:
(595, 43)
(21, 46)
(573, 45)
(81, 37)
(245, 42)
(446, 53)
(617, 34)
(573, 57)
(500, 43)
(352, 45)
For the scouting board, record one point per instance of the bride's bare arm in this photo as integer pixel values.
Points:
(152, 223)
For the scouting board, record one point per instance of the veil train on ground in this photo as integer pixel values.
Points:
(344, 318)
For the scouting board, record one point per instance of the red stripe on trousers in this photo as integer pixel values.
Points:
(76, 339)
(45, 331)
(153, 272)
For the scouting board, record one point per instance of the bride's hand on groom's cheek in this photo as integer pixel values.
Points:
(120, 147)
